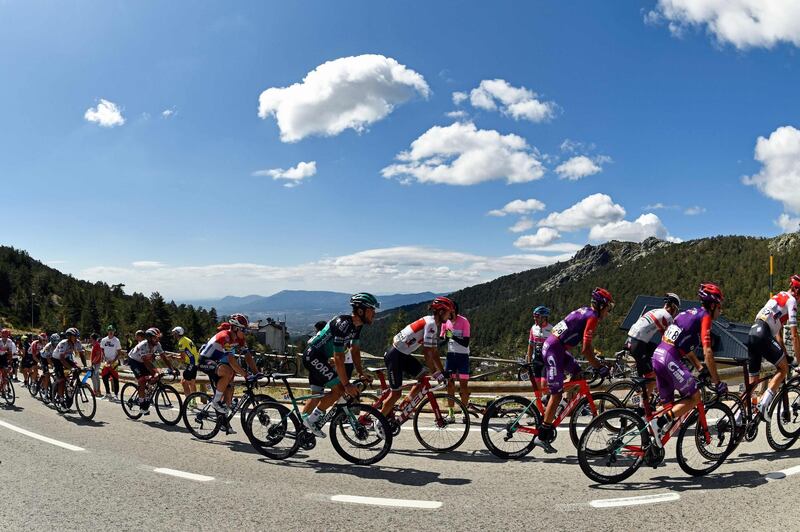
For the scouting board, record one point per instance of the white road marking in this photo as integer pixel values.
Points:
(182, 474)
(783, 473)
(379, 501)
(634, 501)
(39, 437)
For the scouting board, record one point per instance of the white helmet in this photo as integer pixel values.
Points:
(179, 331)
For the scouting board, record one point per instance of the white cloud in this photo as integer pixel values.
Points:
(660, 206)
(294, 175)
(456, 115)
(148, 264)
(395, 269)
(779, 177)
(518, 206)
(580, 166)
(597, 209)
(694, 211)
(346, 93)
(517, 102)
(742, 23)
(543, 237)
(523, 224)
(788, 224)
(168, 113)
(459, 97)
(461, 154)
(643, 227)
(106, 114)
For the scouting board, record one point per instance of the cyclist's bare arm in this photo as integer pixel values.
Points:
(694, 360)
(356, 352)
(433, 360)
(251, 362)
(529, 355)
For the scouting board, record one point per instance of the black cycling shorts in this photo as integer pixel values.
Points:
(397, 364)
(5, 360)
(28, 362)
(762, 344)
(58, 368)
(642, 353)
(139, 369)
(43, 363)
(320, 371)
(190, 373)
(209, 367)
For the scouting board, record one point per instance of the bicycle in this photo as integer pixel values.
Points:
(277, 364)
(164, 397)
(619, 441)
(7, 394)
(515, 419)
(204, 422)
(77, 393)
(359, 433)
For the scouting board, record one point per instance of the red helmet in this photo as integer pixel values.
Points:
(238, 320)
(602, 297)
(710, 293)
(443, 303)
(794, 281)
(224, 326)
(153, 331)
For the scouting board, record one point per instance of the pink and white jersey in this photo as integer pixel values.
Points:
(64, 349)
(460, 329)
(539, 334)
(651, 323)
(779, 311)
(7, 347)
(419, 333)
(35, 347)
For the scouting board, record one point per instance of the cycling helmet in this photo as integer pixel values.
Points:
(5, 332)
(238, 320)
(541, 310)
(72, 331)
(364, 300)
(672, 299)
(54, 338)
(179, 331)
(794, 281)
(443, 303)
(710, 293)
(152, 331)
(43, 336)
(602, 297)
(139, 332)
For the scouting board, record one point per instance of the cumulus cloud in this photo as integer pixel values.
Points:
(346, 93)
(168, 113)
(394, 269)
(580, 166)
(456, 115)
(523, 224)
(459, 97)
(788, 224)
(779, 177)
(742, 23)
(518, 206)
(542, 237)
(294, 175)
(643, 227)
(597, 209)
(461, 154)
(106, 114)
(517, 102)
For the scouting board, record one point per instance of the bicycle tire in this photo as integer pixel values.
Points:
(167, 401)
(271, 424)
(603, 401)
(85, 402)
(499, 416)
(734, 402)
(627, 392)
(623, 428)
(291, 367)
(9, 396)
(691, 437)
(369, 421)
(779, 434)
(128, 398)
(199, 417)
(523, 374)
(33, 388)
(249, 404)
(438, 430)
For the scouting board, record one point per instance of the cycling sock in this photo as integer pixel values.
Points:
(315, 415)
(218, 396)
(666, 418)
(766, 400)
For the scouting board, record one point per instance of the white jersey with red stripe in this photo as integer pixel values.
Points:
(422, 332)
(780, 310)
(651, 323)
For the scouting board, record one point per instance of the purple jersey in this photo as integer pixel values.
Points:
(577, 327)
(690, 328)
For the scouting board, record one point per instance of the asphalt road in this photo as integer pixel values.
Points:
(119, 474)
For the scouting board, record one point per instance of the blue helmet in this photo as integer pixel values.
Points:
(541, 310)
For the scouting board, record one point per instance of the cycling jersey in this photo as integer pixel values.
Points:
(7, 347)
(186, 346)
(577, 327)
(779, 311)
(649, 324)
(421, 332)
(35, 347)
(335, 336)
(47, 350)
(144, 349)
(459, 330)
(538, 335)
(215, 347)
(64, 349)
(691, 329)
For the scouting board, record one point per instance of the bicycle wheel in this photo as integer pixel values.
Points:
(783, 426)
(8, 395)
(582, 415)
(129, 399)
(433, 429)
(33, 388)
(613, 446)
(524, 373)
(199, 416)
(506, 426)
(734, 402)
(290, 366)
(700, 452)
(250, 404)
(85, 403)
(168, 404)
(360, 434)
(273, 430)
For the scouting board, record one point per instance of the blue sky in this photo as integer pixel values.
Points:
(662, 102)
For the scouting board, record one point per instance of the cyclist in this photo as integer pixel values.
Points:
(690, 329)
(220, 365)
(399, 361)
(329, 342)
(457, 333)
(577, 327)
(186, 346)
(319, 390)
(30, 362)
(7, 350)
(766, 341)
(140, 360)
(62, 357)
(44, 358)
(539, 332)
(111, 354)
(650, 326)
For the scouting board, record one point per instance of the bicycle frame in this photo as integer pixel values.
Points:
(329, 415)
(583, 391)
(407, 407)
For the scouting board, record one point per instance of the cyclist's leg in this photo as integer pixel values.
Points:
(774, 354)
(462, 372)
(554, 354)
(414, 369)
(225, 374)
(452, 371)
(394, 371)
(671, 376)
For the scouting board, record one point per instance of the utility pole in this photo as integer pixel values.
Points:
(770, 275)
(32, 294)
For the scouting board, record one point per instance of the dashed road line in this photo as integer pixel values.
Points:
(635, 501)
(783, 473)
(182, 474)
(39, 437)
(379, 501)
